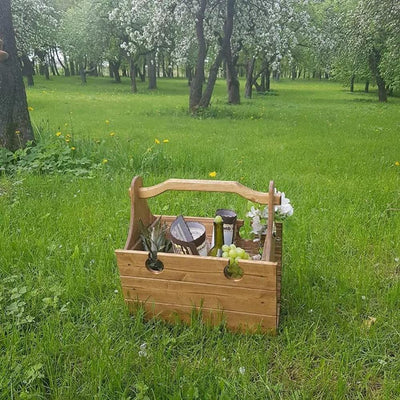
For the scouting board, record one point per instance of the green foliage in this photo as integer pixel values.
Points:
(47, 156)
(65, 332)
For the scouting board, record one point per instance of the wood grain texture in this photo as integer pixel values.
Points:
(208, 186)
(235, 321)
(278, 259)
(268, 251)
(228, 298)
(139, 212)
(188, 282)
(186, 268)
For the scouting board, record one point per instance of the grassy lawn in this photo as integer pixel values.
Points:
(65, 332)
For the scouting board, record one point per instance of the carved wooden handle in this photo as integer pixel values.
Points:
(207, 186)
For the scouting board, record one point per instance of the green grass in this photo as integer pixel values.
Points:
(65, 332)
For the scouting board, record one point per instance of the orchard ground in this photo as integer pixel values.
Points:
(65, 331)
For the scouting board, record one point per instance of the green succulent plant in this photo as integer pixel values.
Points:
(155, 239)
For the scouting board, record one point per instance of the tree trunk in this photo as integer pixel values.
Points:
(43, 66)
(143, 73)
(382, 94)
(152, 71)
(15, 124)
(64, 64)
(132, 66)
(352, 83)
(196, 87)
(72, 67)
(163, 69)
(374, 60)
(267, 79)
(366, 88)
(262, 87)
(82, 74)
(232, 80)
(189, 74)
(53, 63)
(259, 88)
(114, 67)
(53, 68)
(248, 90)
(212, 78)
(27, 69)
(110, 69)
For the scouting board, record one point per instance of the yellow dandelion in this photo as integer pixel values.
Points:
(156, 141)
(30, 108)
(105, 161)
(397, 163)
(67, 140)
(73, 148)
(68, 136)
(165, 141)
(112, 133)
(107, 121)
(17, 132)
(58, 134)
(212, 174)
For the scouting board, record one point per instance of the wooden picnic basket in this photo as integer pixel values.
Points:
(189, 282)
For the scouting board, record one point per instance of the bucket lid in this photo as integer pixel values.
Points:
(187, 234)
(228, 216)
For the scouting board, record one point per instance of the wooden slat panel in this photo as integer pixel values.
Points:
(278, 259)
(244, 322)
(194, 294)
(257, 275)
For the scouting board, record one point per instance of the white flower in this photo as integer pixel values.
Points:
(254, 212)
(143, 351)
(259, 216)
(257, 226)
(242, 370)
(285, 209)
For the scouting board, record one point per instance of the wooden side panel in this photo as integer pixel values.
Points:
(140, 212)
(193, 282)
(186, 268)
(217, 297)
(236, 321)
(278, 259)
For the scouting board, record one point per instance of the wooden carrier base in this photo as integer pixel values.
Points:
(187, 282)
